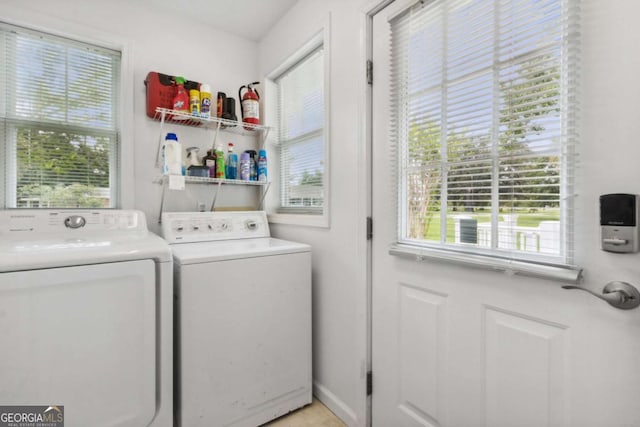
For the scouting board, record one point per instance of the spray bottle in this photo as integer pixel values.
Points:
(181, 100)
(262, 166)
(220, 172)
(205, 101)
(245, 168)
(232, 163)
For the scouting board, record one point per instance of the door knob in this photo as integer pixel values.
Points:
(620, 295)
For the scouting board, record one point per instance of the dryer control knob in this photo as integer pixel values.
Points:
(251, 224)
(74, 221)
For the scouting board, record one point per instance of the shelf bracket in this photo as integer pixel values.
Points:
(215, 196)
(160, 139)
(215, 138)
(164, 190)
(264, 194)
(263, 138)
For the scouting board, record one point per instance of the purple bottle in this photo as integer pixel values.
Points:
(245, 166)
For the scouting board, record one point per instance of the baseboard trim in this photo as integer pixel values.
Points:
(335, 405)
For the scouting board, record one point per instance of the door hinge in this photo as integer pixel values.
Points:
(369, 383)
(369, 71)
(369, 228)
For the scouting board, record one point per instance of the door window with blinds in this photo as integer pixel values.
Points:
(301, 128)
(58, 121)
(484, 105)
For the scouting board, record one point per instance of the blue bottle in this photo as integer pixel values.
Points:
(262, 166)
(232, 163)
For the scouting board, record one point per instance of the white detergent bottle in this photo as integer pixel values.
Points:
(171, 155)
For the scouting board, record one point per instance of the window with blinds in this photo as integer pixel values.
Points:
(484, 96)
(301, 136)
(58, 121)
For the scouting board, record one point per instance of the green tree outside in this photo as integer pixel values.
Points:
(528, 182)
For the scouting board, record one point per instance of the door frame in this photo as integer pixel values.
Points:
(365, 173)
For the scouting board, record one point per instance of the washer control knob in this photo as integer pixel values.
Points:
(75, 221)
(251, 224)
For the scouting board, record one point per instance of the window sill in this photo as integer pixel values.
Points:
(319, 221)
(554, 272)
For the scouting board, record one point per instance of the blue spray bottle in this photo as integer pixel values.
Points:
(262, 166)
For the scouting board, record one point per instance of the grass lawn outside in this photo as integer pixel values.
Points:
(525, 219)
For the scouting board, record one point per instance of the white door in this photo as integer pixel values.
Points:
(462, 347)
(84, 338)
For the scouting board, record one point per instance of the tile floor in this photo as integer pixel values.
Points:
(314, 415)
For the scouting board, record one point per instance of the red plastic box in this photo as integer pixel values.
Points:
(161, 89)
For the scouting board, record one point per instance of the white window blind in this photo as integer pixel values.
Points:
(58, 121)
(301, 136)
(484, 96)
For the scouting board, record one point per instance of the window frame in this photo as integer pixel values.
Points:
(122, 155)
(559, 267)
(305, 206)
(291, 215)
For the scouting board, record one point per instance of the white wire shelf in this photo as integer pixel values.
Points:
(163, 179)
(178, 117)
(217, 182)
(167, 116)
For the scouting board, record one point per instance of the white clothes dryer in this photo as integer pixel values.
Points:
(243, 319)
(86, 316)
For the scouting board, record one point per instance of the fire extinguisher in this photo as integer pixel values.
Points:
(249, 104)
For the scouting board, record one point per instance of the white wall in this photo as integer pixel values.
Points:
(155, 41)
(339, 252)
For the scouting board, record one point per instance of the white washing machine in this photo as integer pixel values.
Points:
(86, 316)
(243, 313)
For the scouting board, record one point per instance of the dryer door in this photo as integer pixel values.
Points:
(82, 337)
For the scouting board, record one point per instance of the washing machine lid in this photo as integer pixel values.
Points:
(35, 239)
(204, 252)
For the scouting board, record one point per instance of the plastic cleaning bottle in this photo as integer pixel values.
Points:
(245, 167)
(205, 101)
(181, 100)
(171, 155)
(262, 166)
(194, 102)
(220, 172)
(220, 104)
(232, 162)
(253, 167)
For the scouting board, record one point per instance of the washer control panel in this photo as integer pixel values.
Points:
(14, 222)
(182, 227)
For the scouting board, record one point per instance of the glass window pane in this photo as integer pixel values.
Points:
(301, 134)
(483, 124)
(60, 116)
(62, 170)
